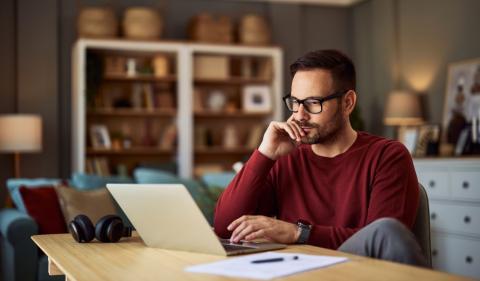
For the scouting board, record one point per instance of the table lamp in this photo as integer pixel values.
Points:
(403, 110)
(20, 133)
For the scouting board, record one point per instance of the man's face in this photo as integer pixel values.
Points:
(324, 127)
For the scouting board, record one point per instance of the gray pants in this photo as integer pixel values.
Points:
(386, 239)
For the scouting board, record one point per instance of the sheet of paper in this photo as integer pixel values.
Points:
(243, 266)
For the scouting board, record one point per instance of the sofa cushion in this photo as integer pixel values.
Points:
(42, 205)
(149, 175)
(217, 180)
(94, 203)
(13, 186)
(199, 193)
(83, 181)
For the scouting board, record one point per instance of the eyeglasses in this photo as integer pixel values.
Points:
(311, 105)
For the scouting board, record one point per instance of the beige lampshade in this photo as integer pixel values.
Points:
(403, 109)
(20, 133)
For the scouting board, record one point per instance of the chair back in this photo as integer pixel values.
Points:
(421, 227)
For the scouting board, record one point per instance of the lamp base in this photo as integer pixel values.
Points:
(16, 166)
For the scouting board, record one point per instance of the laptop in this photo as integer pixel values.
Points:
(166, 216)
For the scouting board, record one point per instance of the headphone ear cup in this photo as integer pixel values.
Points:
(81, 228)
(106, 226)
(115, 230)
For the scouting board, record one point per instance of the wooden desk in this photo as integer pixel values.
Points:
(130, 259)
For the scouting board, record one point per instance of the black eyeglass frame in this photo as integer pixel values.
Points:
(321, 100)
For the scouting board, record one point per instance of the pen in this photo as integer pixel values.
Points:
(273, 260)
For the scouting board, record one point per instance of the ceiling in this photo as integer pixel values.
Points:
(343, 3)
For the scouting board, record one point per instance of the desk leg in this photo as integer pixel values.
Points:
(53, 268)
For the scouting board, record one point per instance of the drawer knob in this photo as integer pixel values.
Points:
(431, 184)
(465, 184)
(434, 252)
(433, 216)
(466, 219)
(468, 259)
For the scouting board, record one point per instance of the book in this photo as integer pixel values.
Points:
(148, 97)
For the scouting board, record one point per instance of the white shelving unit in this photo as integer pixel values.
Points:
(184, 56)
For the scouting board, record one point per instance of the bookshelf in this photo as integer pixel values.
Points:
(208, 122)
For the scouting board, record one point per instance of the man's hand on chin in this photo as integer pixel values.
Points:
(262, 227)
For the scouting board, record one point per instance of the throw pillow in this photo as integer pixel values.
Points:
(13, 186)
(83, 181)
(94, 204)
(42, 205)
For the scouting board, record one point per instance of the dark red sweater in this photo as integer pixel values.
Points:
(374, 178)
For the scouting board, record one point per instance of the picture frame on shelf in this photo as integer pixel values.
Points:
(428, 140)
(408, 137)
(462, 98)
(100, 136)
(257, 98)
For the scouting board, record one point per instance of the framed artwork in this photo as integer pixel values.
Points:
(99, 136)
(428, 140)
(462, 98)
(257, 99)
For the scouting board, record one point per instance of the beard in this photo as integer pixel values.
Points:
(324, 133)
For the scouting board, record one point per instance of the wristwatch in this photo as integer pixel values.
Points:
(304, 227)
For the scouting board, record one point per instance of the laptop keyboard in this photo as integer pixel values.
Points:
(233, 247)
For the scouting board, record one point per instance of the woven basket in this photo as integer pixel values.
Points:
(142, 23)
(254, 30)
(97, 22)
(205, 28)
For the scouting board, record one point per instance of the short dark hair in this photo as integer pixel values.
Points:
(340, 66)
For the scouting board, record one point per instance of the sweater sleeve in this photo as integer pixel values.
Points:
(394, 193)
(250, 192)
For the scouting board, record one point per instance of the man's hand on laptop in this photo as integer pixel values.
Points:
(261, 227)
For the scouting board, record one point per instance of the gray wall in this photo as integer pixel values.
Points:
(45, 34)
(430, 41)
(29, 79)
(7, 79)
(430, 35)
(37, 37)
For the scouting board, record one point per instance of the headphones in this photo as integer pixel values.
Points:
(109, 229)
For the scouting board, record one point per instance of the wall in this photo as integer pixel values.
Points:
(7, 79)
(45, 33)
(429, 41)
(29, 79)
(430, 35)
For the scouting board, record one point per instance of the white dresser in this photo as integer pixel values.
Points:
(453, 187)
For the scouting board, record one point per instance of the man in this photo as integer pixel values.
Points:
(315, 180)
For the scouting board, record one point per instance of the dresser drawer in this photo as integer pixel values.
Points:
(463, 219)
(456, 255)
(465, 185)
(436, 183)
